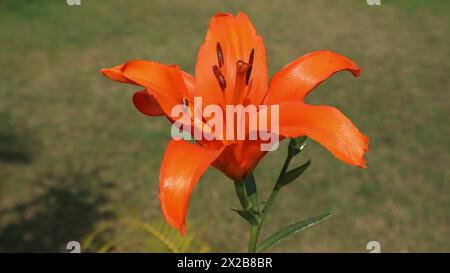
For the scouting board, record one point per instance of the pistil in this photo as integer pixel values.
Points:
(241, 81)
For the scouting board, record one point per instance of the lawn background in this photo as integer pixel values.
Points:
(74, 152)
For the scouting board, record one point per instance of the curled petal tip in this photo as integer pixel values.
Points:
(106, 72)
(357, 72)
(362, 165)
(115, 74)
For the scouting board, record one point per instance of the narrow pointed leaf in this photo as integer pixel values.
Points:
(239, 186)
(296, 145)
(247, 215)
(291, 175)
(250, 189)
(290, 230)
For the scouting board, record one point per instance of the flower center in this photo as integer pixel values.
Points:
(243, 74)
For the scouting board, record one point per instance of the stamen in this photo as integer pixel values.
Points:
(249, 71)
(252, 56)
(186, 101)
(248, 74)
(187, 108)
(219, 54)
(220, 78)
(198, 123)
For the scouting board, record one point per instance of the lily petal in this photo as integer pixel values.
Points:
(297, 79)
(147, 104)
(189, 81)
(326, 125)
(162, 82)
(237, 38)
(165, 82)
(182, 165)
(239, 159)
(115, 74)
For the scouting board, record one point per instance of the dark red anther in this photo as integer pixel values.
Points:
(220, 78)
(219, 54)
(252, 56)
(186, 101)
(249, 71)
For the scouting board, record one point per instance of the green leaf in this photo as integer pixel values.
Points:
(250, 189)
(291, 175)
(290, 230)
(247, 215)
(296, 145)
(239, 186)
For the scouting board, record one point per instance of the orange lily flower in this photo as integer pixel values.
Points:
(231, 69)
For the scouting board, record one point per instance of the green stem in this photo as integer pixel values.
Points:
(276, 190)
(254, 232)
(243, 196)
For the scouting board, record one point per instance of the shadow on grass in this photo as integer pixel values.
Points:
(68, 208)
(17, 144)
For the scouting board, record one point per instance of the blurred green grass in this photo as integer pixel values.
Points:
(52, 96)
